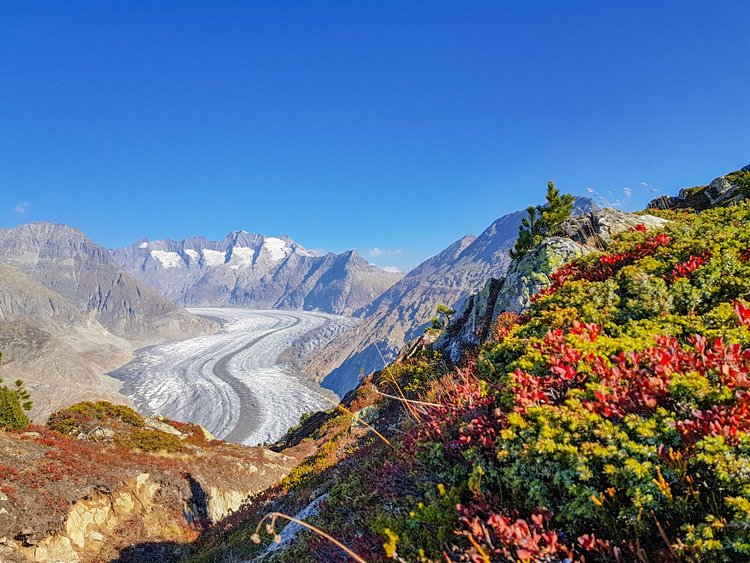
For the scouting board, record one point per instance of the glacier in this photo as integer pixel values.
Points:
(231, 382)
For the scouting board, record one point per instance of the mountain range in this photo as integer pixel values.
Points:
(254, 271)
(65, 260)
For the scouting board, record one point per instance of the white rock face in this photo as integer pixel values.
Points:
(66, 261)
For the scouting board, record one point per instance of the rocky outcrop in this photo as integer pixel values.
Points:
(94, 521)
(59, 507)
(471, 323)
(532, 273)
(290, 531)
(722, 191)
(526, 276)
(597, 228)
(90, 522)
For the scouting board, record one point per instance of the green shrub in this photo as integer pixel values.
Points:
(152, 441)
(11, 410)
(70, 421)
(543, 220)
(741, 178)
(12, 404)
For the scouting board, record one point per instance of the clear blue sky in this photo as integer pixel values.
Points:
(392, 125)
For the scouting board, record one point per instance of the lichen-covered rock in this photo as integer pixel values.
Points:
(98, 434)
(531, 273)
(364, 416)
(580, 235)
(290, 531)
(221, 503)
(471, 323)
(597, 228)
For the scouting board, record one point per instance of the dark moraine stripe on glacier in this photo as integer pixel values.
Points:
(250, 409)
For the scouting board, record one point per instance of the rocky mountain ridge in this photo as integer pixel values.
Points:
(254, 271)
(65, 260)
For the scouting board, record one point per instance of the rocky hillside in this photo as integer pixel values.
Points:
(102, 483)
(403, 312)
(254, 271)
(725, 190)
(602, 417)
(61, 352)
(512, 293)
(69, 263)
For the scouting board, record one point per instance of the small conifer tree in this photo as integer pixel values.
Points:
(543, 220)
(442, 318)
(13, 402)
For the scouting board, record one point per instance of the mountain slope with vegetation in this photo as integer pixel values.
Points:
(405, 310)
(100, 482)
(69, 315)
(58, 350)
(608, 421)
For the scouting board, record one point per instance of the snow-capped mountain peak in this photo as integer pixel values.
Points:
(254, 270)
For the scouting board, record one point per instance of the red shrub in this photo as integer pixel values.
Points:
(684, 269)
(605, 267)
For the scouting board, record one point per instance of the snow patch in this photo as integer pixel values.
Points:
(276, 248)
(192, 254)
(167, 259)
(213, 257)
(242, 257)
(143, 245)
